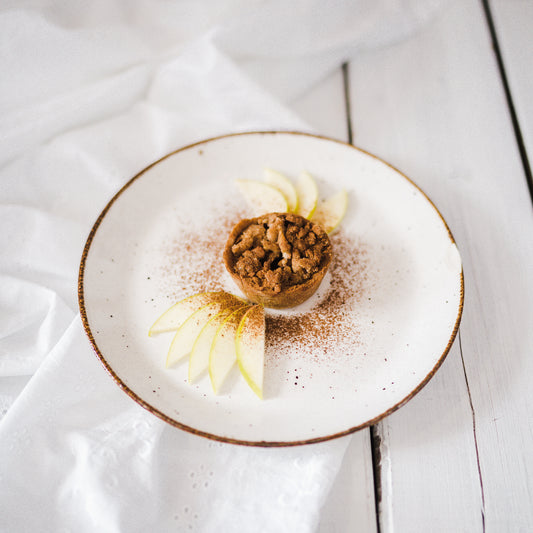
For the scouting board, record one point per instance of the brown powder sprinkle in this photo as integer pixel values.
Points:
(195, 265)
(195, 258)
(330, 321)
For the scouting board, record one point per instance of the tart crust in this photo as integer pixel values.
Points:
(277, 260)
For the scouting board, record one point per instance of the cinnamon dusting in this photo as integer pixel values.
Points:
(195, 265)
(330, 322)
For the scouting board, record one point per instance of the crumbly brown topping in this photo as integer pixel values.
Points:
(280, 250)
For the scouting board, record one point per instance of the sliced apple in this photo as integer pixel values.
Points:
(250, 347)
(223, 355)
(262, 198)
(176, 315)
(187, 333)
(284, 185)
(307, 192)
(330, 212)
(199, 358)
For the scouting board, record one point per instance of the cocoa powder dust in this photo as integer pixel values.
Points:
(195, 265)
(330, 321)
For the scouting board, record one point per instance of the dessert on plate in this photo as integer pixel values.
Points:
(279, 259)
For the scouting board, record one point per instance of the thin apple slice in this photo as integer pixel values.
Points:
(223, 355)
(199, 358)
(262, 198)
(307, 192)
(250, 346)
(284, 185)
(330, 212)
(176, 315)
(187, 333)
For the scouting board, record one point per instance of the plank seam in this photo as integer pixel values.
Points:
(474, 432)
(347, 104)
(512, 111)
(375, 449)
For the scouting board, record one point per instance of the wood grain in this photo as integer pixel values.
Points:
(434, 106)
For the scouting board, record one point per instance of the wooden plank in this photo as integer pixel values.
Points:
(434, 106)
(513, 22)
(350, 505)
(429, 471)
(324, 108)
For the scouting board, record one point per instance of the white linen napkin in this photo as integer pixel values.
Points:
(89, 96)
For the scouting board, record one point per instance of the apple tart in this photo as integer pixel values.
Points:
(278, 259)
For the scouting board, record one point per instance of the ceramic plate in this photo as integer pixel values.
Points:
(380, 325)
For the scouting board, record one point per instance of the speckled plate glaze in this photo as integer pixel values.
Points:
(404, 282)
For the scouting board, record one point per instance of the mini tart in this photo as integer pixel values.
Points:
(278, 260)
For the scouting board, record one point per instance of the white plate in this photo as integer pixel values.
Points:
(395, 292)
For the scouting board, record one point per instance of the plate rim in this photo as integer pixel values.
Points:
(230, 440)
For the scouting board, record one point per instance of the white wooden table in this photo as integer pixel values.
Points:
(452, 107)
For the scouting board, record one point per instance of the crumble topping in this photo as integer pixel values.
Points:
(280, 250)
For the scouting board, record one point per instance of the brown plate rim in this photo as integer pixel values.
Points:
(229, 440)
